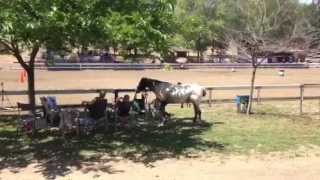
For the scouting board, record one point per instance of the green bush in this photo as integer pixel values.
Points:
(167, 67)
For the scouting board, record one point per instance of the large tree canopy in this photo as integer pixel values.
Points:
(145, 25)
(27, 25)
(217, 19)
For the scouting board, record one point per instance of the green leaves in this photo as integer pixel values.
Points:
(272, 20)
(140, 24)
(201, 22)
(29, 22)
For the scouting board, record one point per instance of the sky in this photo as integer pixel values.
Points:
(306, 1)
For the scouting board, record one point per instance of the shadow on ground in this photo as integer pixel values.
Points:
(144, 143)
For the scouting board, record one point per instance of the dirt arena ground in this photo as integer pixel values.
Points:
(213, 167)
(226, 168)
(129, 79)
(90, 79)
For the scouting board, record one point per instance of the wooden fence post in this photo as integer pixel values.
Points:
(116, 95)
(210, 97)
(301, 98)
(319, 107)
(258, 95)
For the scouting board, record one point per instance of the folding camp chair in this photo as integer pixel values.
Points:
(140, 106)
(128, 113)
(51, 111)
(95, 115)
(69, 121)
(28, 122)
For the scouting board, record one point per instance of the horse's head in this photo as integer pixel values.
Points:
(146, 84)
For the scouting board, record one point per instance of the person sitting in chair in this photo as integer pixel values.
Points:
(139, 104)
(123, 108)
(51, 110)
(97, 109)
(97, 106)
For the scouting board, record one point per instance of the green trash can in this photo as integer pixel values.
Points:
(242, 103)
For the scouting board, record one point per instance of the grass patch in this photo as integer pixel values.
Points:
(271, 128)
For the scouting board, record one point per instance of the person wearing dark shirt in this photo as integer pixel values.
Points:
(123, 107)
(97, 106)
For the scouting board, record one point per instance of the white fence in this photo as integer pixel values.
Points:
(211, 100)
(137, 66)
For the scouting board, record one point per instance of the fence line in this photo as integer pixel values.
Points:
(211, 89)
(135, 66)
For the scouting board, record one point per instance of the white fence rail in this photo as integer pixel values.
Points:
(211, 100)
(138, 66)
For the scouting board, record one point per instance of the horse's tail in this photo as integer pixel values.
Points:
(204, 92)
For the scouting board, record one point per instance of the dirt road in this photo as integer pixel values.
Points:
(186, 169)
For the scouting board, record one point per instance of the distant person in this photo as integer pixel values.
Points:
(108, 58)
(104, 57)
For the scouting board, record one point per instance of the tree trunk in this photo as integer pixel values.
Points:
(135, 51)
(201, 56)
(198, 56)
(31, 89)
(114, 50)
(253, 77)
(28, 67)
(31, 81)
(212, 55)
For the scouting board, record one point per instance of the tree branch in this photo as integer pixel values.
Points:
(33, 55)
(6, 44)
(261, 61)
(16, 53)
(14, 49)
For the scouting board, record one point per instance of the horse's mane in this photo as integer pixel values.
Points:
(153, 80)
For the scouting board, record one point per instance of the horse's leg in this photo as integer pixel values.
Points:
(199, 110)
(163, 109)
(195, 112)
(163, 113)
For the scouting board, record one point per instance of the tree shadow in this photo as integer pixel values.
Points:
(144, 143)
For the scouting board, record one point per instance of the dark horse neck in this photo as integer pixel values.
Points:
(150, 84)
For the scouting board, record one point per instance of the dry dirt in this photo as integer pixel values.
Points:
(129, 79)
(227, 168)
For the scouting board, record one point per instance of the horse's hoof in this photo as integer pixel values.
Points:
(167, 116)
(199, 122)
(203, 123)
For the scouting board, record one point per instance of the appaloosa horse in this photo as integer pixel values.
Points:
(167, 93)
